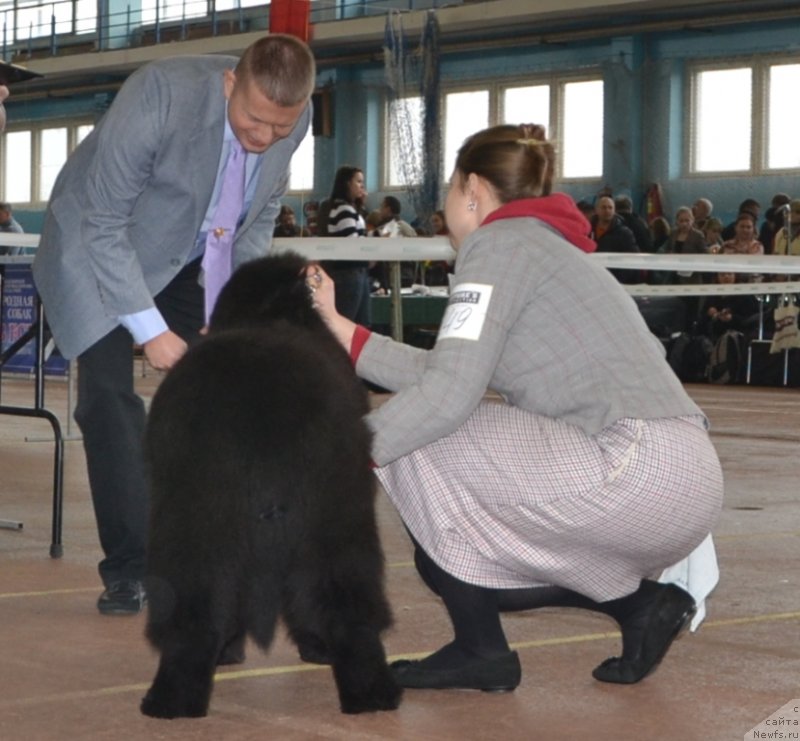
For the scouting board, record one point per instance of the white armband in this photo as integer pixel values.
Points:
(466, 311)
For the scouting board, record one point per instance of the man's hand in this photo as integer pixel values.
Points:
(164, 350)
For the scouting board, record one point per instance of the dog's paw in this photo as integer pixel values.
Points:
(383, 694)
(158, 707)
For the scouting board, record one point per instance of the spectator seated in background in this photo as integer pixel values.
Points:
(732, 311)
(391, 223)
(660, 231)
(685, 238)
(701, 210)
(641, 233)
(9, 224)
(747, 206)
(712, 231)
(773, 221)
(611, 235)
(373, 222)
(787, 240)
(436, 272)
(286, 224)
(744, 241)
(439, 224)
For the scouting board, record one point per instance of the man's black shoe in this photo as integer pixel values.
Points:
(123, 597)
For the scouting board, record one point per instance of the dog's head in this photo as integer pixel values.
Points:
(263, 291)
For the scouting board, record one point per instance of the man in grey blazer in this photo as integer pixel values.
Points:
(119, 259)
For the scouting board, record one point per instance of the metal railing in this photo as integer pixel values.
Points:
(65, 26)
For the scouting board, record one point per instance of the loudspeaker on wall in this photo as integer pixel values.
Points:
(322, 121)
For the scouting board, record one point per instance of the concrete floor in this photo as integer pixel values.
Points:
(68, 673)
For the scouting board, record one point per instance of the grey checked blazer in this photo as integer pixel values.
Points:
(561, 338)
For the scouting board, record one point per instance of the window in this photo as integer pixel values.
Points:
(53, 155)
(558, 104)
(464, 114)
(234, 4)
(783, 143)
(741, 117)
(85, 16)
(529, 104)
(172, 10)
(32, 158)
(722, 141)
(35, 19)
(17, 167)
(301, 176)
(581, 136)
(175, 10)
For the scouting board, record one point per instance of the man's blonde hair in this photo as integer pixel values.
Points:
(282, 68)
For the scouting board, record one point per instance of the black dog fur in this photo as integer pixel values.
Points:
(262, 500)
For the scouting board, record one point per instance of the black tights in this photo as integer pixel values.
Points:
(475, 611)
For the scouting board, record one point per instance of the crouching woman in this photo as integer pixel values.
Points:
(593, 473)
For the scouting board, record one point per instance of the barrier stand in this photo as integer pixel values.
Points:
(37, 333)
(416, 249)
(413, 249)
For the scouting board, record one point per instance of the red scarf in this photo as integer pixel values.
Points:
(557, 210)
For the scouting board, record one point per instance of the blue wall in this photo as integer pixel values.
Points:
(645, 83)
(645, 109)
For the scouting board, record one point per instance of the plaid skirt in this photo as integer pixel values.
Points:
(512, 499)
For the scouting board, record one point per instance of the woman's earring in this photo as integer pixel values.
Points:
(471, 206)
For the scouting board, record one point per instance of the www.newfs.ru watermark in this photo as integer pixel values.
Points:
(783, 724)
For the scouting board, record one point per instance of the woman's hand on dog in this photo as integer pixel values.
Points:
(323, 295)
(164, 350)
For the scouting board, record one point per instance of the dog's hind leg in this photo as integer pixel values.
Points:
(183, 683)
(190, 642)
(341, 622)
(363, 679)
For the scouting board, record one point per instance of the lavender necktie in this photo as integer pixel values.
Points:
(218, 256)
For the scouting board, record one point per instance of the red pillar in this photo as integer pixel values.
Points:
(290, 16)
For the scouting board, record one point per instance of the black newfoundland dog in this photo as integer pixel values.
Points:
(263, 501)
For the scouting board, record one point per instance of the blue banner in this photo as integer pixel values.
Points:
(19, 313)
